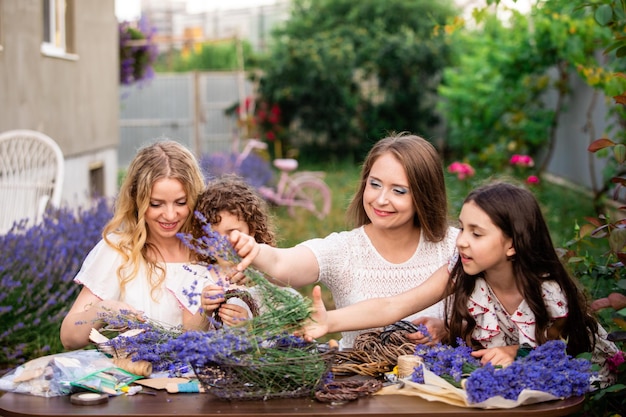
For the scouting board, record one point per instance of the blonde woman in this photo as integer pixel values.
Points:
(127, 272)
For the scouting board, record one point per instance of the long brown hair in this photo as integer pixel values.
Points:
(424, 171)
(515, 211)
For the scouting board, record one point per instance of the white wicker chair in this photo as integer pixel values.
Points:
(31, 176)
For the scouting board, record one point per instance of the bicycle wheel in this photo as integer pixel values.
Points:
(309, 194)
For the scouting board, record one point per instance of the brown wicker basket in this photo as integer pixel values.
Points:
(287, 378)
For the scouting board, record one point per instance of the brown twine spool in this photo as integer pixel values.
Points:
(407, 364)
(141, 368)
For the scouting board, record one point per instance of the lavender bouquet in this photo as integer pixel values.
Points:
(452, 375)
(260, 359)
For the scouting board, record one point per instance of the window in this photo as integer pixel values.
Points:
(57, 25)
(96, 180)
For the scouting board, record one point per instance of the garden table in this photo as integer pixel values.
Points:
(164, 404)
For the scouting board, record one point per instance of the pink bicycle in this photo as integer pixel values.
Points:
(298, 191)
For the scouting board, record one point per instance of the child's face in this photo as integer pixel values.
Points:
(229, 223)
(482, 245)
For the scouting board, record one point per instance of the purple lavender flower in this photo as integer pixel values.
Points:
(448, 362)
(27, 268)
(547, 368)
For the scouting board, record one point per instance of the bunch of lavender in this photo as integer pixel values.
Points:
(450, 363)
(36, 276)
(288, 311)
(151, 345)
(547, 368)
(263, 353)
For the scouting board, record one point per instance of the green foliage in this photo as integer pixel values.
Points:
(494, 95)
(225, 56)
(343, 71)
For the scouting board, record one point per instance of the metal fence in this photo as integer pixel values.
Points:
(187, 107)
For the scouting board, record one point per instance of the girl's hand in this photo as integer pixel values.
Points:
(498, 356)
(212, 297)
(436, 329)
(232, 314)
(317, 325)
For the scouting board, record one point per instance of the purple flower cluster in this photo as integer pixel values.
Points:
(211, 245)
(138, 52)
(450, 363)
(546, 368)
(36, 276)
(225, 345)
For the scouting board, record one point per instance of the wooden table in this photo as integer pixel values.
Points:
(164, 404)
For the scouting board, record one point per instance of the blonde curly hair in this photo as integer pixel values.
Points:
(163, 159)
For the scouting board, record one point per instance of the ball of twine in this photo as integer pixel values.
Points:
(407, 364)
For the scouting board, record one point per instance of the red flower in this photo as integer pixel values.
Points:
(533, 179)
(615, 361)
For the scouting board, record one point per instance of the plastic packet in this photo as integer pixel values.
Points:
(109, 381)
(52, 375)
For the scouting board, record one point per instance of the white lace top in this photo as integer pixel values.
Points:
(353, 270)
(99, 274)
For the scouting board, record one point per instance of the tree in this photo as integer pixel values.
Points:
(343, 73)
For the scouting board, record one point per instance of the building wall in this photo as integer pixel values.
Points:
(72, 98)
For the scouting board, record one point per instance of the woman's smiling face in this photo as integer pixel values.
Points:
(387, 197)
(168, 210)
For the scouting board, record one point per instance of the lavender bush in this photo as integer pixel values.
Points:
(36, 275)
(254, 169)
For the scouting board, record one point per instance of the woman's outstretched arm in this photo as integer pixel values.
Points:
(375, 312)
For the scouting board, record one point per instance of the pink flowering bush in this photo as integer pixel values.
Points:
(462, 170)
(521, 164)
(522, 161)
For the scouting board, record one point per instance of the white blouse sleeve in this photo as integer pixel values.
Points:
(99, 272)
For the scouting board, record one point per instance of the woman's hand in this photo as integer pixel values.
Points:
(436, 331)
(498, 356)
(317, 325)
(232, 314)
(212, 297)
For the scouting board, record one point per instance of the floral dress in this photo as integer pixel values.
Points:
(496, 327)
